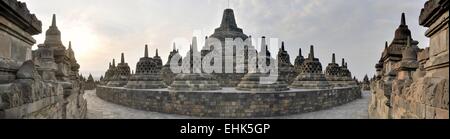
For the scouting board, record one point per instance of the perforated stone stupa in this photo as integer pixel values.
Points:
(166, 73)
(121, 74)
(332, 73)
(299, 60)
(255, 80)
(311, 75)
(345, 76)
(195, 80)
(148, 73)
(285, 68)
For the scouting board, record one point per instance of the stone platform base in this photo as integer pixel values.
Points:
(228, 102)
(311, 85)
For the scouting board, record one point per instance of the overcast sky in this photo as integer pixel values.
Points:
(354, 29)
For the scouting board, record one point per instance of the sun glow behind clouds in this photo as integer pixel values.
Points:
(84, 39)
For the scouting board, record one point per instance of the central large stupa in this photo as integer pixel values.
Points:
(228, 29)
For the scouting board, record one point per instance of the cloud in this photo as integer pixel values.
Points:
(353, 29)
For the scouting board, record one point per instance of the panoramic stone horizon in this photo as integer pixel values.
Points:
(234, 69)
(294, 22)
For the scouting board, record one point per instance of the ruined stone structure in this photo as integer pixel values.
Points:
(39, 84)
(413, 82)
(311, 75)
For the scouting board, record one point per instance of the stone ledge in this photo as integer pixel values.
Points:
(18, 13)
(229, 104)
(22, 111)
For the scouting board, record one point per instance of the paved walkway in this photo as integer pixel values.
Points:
(100, 109)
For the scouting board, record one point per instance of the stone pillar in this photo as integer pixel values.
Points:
(435, 16)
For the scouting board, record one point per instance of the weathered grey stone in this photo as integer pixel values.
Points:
(148, 73)
(195, 82)
(26, 71)
(121, 74)
(228, 103)
(37, 93)
(311, 76)
(229, 29)
(420, 89)
(253, 82)
(90, 83)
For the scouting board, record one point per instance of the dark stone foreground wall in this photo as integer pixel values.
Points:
(229, 105)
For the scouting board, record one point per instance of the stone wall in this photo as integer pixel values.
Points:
(16, 29)
(30, 97)
(229, 103)
(421, 93)
(24, 94)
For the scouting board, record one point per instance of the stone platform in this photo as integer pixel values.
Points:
(228, 102)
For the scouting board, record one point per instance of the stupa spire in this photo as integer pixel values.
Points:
(114, 62)
(312, 52)
(122, 58)
(343, 62)
(282, 46)
(300, 52)
(70, 45)
(403, 22)
(334, 58)
(146, 51)
(53, 35)
(156, 53)
(54, 20)
(174, 47)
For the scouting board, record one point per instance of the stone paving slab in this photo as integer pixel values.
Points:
(100, 109)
